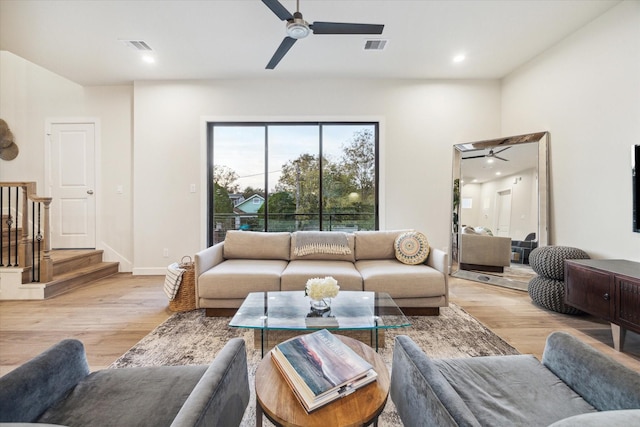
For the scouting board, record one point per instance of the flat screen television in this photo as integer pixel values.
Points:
(635, 175)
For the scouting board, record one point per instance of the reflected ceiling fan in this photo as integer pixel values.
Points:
(298, 28)
(491, 154)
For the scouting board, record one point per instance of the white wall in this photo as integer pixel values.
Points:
(586, 92)
(28, 95)
(113, 105)
(421, 120)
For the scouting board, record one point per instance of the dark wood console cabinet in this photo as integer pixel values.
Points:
(609, 289)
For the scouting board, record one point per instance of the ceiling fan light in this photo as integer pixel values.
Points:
(298, 29)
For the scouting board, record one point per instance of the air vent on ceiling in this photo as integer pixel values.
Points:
(138, 45)
(375, 44)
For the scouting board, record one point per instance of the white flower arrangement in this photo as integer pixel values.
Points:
(319, 288)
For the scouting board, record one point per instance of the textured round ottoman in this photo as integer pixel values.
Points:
(547, 289)
(548, 261)
(549, 294)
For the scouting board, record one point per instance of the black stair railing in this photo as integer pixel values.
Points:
(24, 227)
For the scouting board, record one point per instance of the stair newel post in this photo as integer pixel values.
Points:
(46, 263)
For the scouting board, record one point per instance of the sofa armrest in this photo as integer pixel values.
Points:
(604, 383)
(421, 393)
(222, 394)
(439, 260)
(621, 418)
(208, 258)
(30, 389)
(205, 260)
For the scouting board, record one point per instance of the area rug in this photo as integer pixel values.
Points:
(191, 338)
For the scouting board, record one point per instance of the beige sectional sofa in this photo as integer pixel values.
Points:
(266, 261)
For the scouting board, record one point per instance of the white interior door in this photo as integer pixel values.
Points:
(503, 207)
(72, 182)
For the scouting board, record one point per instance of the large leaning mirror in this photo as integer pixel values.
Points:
(500, 205)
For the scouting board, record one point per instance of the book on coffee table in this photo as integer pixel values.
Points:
(320, 368)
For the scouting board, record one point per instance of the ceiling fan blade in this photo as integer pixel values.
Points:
(501, 158)
(345, 28)
(474, 157)
(498, 152)
(277, 8)
(281, 52)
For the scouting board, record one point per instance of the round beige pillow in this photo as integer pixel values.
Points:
(411, 247)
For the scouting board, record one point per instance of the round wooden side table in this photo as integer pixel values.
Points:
(276, 400)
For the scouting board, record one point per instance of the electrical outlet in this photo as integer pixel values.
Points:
(192, 188)
(165, 252)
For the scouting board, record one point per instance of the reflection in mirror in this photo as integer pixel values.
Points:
(500, 208)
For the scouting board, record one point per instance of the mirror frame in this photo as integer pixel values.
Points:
(542, 138)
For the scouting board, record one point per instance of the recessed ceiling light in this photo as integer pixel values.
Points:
(489, 160)
(498, 173)
(148, 59)
(459, 58)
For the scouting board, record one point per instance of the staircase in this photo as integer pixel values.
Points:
(29, 269)
(73, 269)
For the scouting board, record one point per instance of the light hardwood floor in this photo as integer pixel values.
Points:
(113, 314)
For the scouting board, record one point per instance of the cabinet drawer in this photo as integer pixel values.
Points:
(589, 290)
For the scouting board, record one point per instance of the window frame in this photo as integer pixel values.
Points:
(211, 124)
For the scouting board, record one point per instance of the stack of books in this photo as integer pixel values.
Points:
(320, 368)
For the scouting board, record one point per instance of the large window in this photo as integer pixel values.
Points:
(292, 176)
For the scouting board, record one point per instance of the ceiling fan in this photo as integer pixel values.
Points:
(298, 28)
(491, 154)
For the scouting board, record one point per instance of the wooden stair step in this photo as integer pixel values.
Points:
(65, 261)
(79, 277)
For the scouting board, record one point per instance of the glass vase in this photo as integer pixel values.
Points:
(320, 305)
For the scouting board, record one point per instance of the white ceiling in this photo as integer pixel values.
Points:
(211, 39)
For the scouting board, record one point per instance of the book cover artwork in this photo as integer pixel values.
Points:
(323, 361)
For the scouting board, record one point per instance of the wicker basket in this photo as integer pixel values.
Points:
(185, 299)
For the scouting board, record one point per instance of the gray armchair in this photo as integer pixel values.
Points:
(523, 248)
(56, 387)
(570, 387)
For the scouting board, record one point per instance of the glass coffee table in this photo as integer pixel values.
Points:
(278, 316)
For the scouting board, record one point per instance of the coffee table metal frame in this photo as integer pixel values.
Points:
(290, 311)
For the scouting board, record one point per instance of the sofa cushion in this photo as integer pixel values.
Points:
(322, 256)
(401, 280)
(511, 390)
(236, 278)
(256, 245)
(295, 276)
(376, 244)
(411, 248)
(123, 397)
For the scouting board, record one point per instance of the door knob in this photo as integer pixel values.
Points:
(89, 191)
